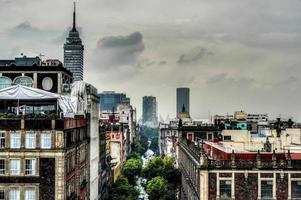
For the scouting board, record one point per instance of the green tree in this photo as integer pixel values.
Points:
(123, 190)
(156, 188)
(164, 167)
(134, 155)
(131, 169)
(170, 172)
(153, 168)
(139, 147)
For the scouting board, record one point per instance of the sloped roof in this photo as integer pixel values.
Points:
(25, 93)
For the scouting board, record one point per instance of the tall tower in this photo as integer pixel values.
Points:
(183, 99)
(74, 52)
(150, 110)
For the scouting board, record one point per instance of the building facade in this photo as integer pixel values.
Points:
(43, 155)
(74, 52)
(46, 145)
(183, 99)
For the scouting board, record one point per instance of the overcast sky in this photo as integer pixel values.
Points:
(233, 54)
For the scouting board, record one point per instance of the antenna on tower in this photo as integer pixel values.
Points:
(74, 17)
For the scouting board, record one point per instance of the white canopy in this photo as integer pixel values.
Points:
(70, 105)
(25, 93)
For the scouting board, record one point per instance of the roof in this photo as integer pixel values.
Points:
(225, 153)
(25, 93)
(34, 67)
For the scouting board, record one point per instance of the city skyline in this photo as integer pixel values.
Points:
(259, 64)
(150, 100)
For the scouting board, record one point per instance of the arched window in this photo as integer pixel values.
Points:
(5, 82)
(23, 80)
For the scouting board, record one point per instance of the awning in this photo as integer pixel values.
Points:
(76, 104)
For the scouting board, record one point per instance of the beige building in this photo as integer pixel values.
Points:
(290, 139)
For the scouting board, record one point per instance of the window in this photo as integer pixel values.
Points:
(14, 194)
(5, 82)
(23, 80)
(2, 194)
(14, 167)
(15, 140)
(2, 140)
(227, 137)
(225, 189)
(30, 194)
(46, 140)
(82, 155)
(2, 167)
(296, 189)
(30, 167)
(30, 140)
(267, 189)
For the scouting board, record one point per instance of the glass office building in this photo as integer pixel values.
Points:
(183, 99)
(109, 100)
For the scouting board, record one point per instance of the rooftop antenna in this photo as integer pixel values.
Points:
(74, 17)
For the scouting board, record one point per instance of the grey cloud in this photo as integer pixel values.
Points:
(25, 30)
(195, 56)
(217, 78)
(162, 62)
(226, 80)
(115, 51)
(291, 82)
(144, 63)
(121, 41)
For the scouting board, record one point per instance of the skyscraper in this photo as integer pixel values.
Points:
(74, 52)
(149, 114)
(183, 99)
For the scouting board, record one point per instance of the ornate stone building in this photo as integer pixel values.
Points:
(212, 171)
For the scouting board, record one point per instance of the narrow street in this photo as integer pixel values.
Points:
(149, 154)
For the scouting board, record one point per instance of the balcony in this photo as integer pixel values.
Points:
(12, 121)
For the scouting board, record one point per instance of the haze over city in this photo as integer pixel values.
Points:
(238, 56)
